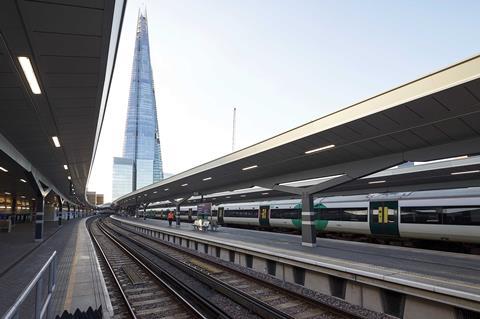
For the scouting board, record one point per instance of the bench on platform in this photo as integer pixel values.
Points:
(203, 225)
(198, 224)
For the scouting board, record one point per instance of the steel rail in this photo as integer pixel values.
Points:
(207, 306)
(110, 268)
(259, 307)
(339, 312)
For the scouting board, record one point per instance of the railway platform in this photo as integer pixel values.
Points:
(17, 244)
(79, 280)
(377, 277)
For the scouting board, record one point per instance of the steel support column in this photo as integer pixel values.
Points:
(309, 233)
(39, 212)
(60, 210)
(177, 209)
(145, 205)
(14, 208)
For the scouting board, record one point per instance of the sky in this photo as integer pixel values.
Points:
(281, 63)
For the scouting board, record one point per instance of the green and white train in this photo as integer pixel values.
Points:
(447, 215)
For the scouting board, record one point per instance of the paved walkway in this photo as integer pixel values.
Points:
(79, 280)
(86, 286)
(21, 238)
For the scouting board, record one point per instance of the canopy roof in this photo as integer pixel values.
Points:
(71, 46)
(433, 117)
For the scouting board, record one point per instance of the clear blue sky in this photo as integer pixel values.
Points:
(281, 63)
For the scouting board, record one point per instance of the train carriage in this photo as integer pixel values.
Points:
(449, 215)
(446, 215)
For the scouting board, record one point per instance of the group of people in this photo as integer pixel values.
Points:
(201, 223)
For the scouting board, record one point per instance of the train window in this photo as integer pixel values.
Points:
(359, 214)
(286, 213)
(454, 215)
(420, 215)
(461, 215)
(245, 213)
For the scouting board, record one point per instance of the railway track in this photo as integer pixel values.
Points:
(266, 300)
(120, 307)
(142, 293)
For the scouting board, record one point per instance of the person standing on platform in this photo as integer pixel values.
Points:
(170, 218)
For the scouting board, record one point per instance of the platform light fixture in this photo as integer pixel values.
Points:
(154, 192)
(249, 167)
(323, 148)
(22, 180)
(56, 141)
(465, 172)
(22, 196)
(264, 193)
(3, 169)
(206, 179)
(7, 193)
(69, 177)
(29, 74)
(377, 182)
(186, 184)
(65, 167)
(243, 195)
(165, 189)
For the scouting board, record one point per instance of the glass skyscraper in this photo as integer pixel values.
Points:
(141, 162)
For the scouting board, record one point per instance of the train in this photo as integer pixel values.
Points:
(444, 215)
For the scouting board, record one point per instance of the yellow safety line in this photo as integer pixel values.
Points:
(71, 280)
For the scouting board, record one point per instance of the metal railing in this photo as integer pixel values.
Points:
(41, 302)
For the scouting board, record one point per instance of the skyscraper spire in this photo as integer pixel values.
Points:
(143, 9)
(142, 142)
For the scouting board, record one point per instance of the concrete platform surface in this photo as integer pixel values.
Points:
(443, 272)
(85, 286)
(22, 239)
(79, 279)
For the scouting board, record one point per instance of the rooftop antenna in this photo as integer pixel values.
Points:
(233, 130)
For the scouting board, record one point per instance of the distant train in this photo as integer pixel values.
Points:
(447, 215)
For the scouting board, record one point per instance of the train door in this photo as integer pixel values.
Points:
(384, 218)
(220, 215)
(263, 216)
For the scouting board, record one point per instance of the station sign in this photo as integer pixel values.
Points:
(204, 208)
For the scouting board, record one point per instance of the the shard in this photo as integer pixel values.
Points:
(141, 163)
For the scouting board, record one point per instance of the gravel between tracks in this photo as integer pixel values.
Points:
(227, 305)
(337, 303)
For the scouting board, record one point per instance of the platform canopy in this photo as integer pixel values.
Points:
(71, 47)
(448, 174)
(433, 117)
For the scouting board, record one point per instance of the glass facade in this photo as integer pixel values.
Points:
(142, 140)
(122, 176)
